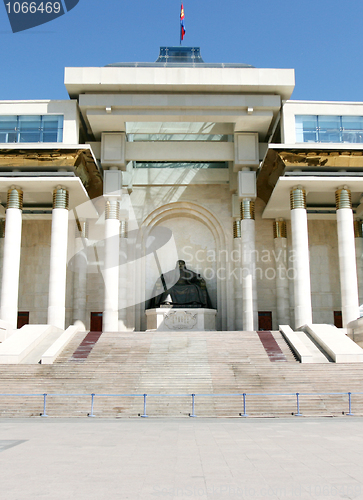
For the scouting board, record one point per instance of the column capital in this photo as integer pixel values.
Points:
(123, 228)
(237, 232)
(15, 198)
(60, 197)
(358, 228)
(343, 198)
(280, 228)
(81, 228)
(247, 209)
(112, 210)
(297, 197)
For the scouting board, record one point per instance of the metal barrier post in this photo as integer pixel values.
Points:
(44, 414)
(144, 415)
(92, 401)
(350, 403)
(244, 414)
(298, 414)
(193, 406)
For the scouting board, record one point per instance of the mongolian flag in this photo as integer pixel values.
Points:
(182, 27)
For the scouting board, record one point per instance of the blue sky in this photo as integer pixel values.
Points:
(321, 40)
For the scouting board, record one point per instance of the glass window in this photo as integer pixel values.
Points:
(329, 128)
(179, 137)
(352, 129)
(8, 122)
(306, 128)
(30, 122)
(160, 164)
(31, 128)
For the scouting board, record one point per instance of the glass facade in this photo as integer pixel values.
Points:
(167, 164)
(31, 128)
(179, 137)
(329, 128)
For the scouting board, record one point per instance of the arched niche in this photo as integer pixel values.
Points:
(188, 217)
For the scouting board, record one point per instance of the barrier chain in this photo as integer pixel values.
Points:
(192, 414)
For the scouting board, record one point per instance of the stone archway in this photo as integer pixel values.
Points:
(175, 216)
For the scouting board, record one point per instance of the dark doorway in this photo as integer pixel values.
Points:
(264, 320)
(23, 318)
(96, 322)
(338, 320)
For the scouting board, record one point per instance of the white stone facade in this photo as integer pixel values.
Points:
(181, 138)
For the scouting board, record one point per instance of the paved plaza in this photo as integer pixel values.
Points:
(300, 458)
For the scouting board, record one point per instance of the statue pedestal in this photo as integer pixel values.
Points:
(166, 319)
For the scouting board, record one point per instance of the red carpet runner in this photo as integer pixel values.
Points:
(85, 347)
(271, 346)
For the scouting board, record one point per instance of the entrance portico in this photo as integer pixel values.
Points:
(321, 193)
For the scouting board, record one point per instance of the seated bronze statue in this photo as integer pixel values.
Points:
(180, 287)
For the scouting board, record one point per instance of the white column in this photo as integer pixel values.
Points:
(347, 258)
(11, 262)
(248, 264)
(80, 273)
(238, 290)
(111, 270)
(300, 247)
(58, 259)
(358, 233)
(282, 281)
(122, 299)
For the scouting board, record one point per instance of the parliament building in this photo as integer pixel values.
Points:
(179, 160)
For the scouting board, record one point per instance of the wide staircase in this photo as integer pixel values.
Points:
(120, 367)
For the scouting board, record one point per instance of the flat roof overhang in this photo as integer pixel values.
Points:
(54, 157)
(241, 113)
(39, 190)
(182, 79)
(320, 195)
(319, 159)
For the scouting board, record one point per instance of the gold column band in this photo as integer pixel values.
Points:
(358, 229)
(81, 229)
(237, 233)
(123, 229)
(60, 198)
(112, 209)
(297, 198)
(343, 198)
(280, 229)
(15, 198)
(247, 209)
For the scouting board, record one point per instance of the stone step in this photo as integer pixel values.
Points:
(184, 363)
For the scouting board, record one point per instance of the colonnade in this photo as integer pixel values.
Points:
(350, 242)
(58, 262)
(58, 258)
(349, 239)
